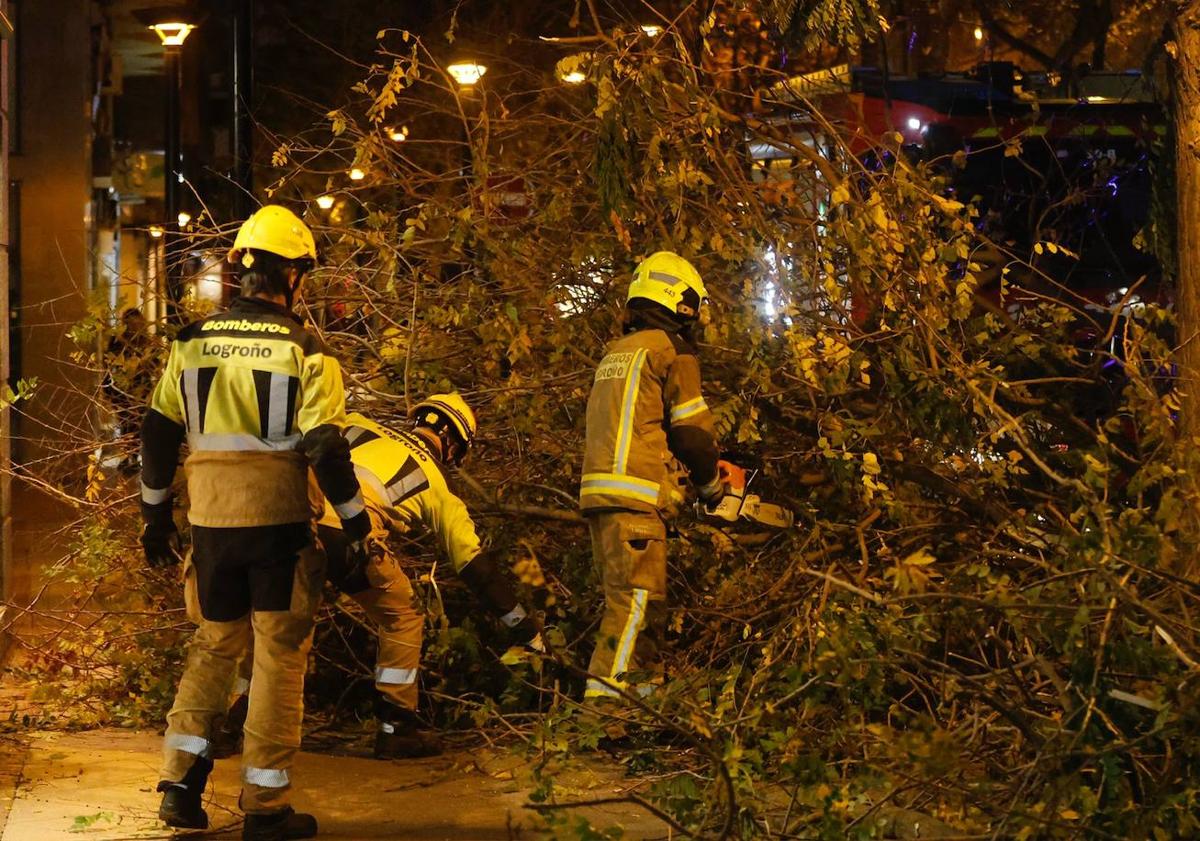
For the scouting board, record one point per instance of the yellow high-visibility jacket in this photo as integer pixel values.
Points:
(258, 399)
(404, 488)
(646, 421)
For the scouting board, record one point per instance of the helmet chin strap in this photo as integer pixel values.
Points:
(432, 440)
(293, 288)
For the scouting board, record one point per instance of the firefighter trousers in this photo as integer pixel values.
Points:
(630, 552)
(257, 586)
(388, 601)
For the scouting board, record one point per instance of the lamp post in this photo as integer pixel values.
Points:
(243, 83)
(467, 73)
(172, 30)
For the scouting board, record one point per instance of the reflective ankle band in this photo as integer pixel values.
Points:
(188, 744)
(265, 777)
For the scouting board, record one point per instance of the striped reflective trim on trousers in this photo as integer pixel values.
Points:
(238, 442)
(266, 777)
(155, 496)
(196, 745)
(628, 407)
(602, 688)
(633, 624)
(351, 508)
(395, 677)
(513, 617)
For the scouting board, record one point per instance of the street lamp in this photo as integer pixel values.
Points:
(172, 33)
(325, 202)
(466, 73)
(357, 174)
(573, 77)
(398, 133)
(172, 25)
(652, 30)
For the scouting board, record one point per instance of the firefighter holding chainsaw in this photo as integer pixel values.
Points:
(648, 428)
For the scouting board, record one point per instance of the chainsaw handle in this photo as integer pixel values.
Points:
(732, 475)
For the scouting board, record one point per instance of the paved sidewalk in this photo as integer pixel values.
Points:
(100, 785)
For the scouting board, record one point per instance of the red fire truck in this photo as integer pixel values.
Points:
(1046, 159)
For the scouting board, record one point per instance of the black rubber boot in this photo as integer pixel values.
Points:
(279, 826)
(181, 804)
(402, 736)
(227, 738)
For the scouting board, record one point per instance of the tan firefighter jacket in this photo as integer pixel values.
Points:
(647, 423)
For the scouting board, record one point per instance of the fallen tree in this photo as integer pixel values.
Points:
(983, 618)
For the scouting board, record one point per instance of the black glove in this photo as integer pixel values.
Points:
(358, 558)
(528, 634)
(712, 493)
(160, 539)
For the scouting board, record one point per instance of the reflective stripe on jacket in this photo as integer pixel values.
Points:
(647, 385)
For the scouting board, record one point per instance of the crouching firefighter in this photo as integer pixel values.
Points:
(405, 489)
(258, 400)
(647, 424)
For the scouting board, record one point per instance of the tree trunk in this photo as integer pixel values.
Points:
(1186, 63)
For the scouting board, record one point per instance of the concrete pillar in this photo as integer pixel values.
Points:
(51, 165)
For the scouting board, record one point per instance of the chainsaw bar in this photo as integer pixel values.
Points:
(766, 513)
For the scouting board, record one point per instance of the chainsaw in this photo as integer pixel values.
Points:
(737, 504)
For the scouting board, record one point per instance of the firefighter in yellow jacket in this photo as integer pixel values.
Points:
(401, 477)
(647, 427)
(258, 400)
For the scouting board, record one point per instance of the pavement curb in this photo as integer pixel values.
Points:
(13, 753)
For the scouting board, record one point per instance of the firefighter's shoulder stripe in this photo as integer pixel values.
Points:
(356, 436)
(408, 481)
(398, 460)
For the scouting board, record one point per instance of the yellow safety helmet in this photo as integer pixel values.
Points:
(438, 410)
(277, 230)
(664, 278)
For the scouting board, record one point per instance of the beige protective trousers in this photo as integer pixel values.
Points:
(629, 549)
(388, 604)
(281, 641)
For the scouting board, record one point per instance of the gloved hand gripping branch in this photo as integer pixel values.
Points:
(358, 558)
(491, 587)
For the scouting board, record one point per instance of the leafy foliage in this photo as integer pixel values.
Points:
(983, 619)
(814, 22)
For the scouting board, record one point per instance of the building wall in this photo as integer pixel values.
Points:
(6, 51)
(51, 170)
